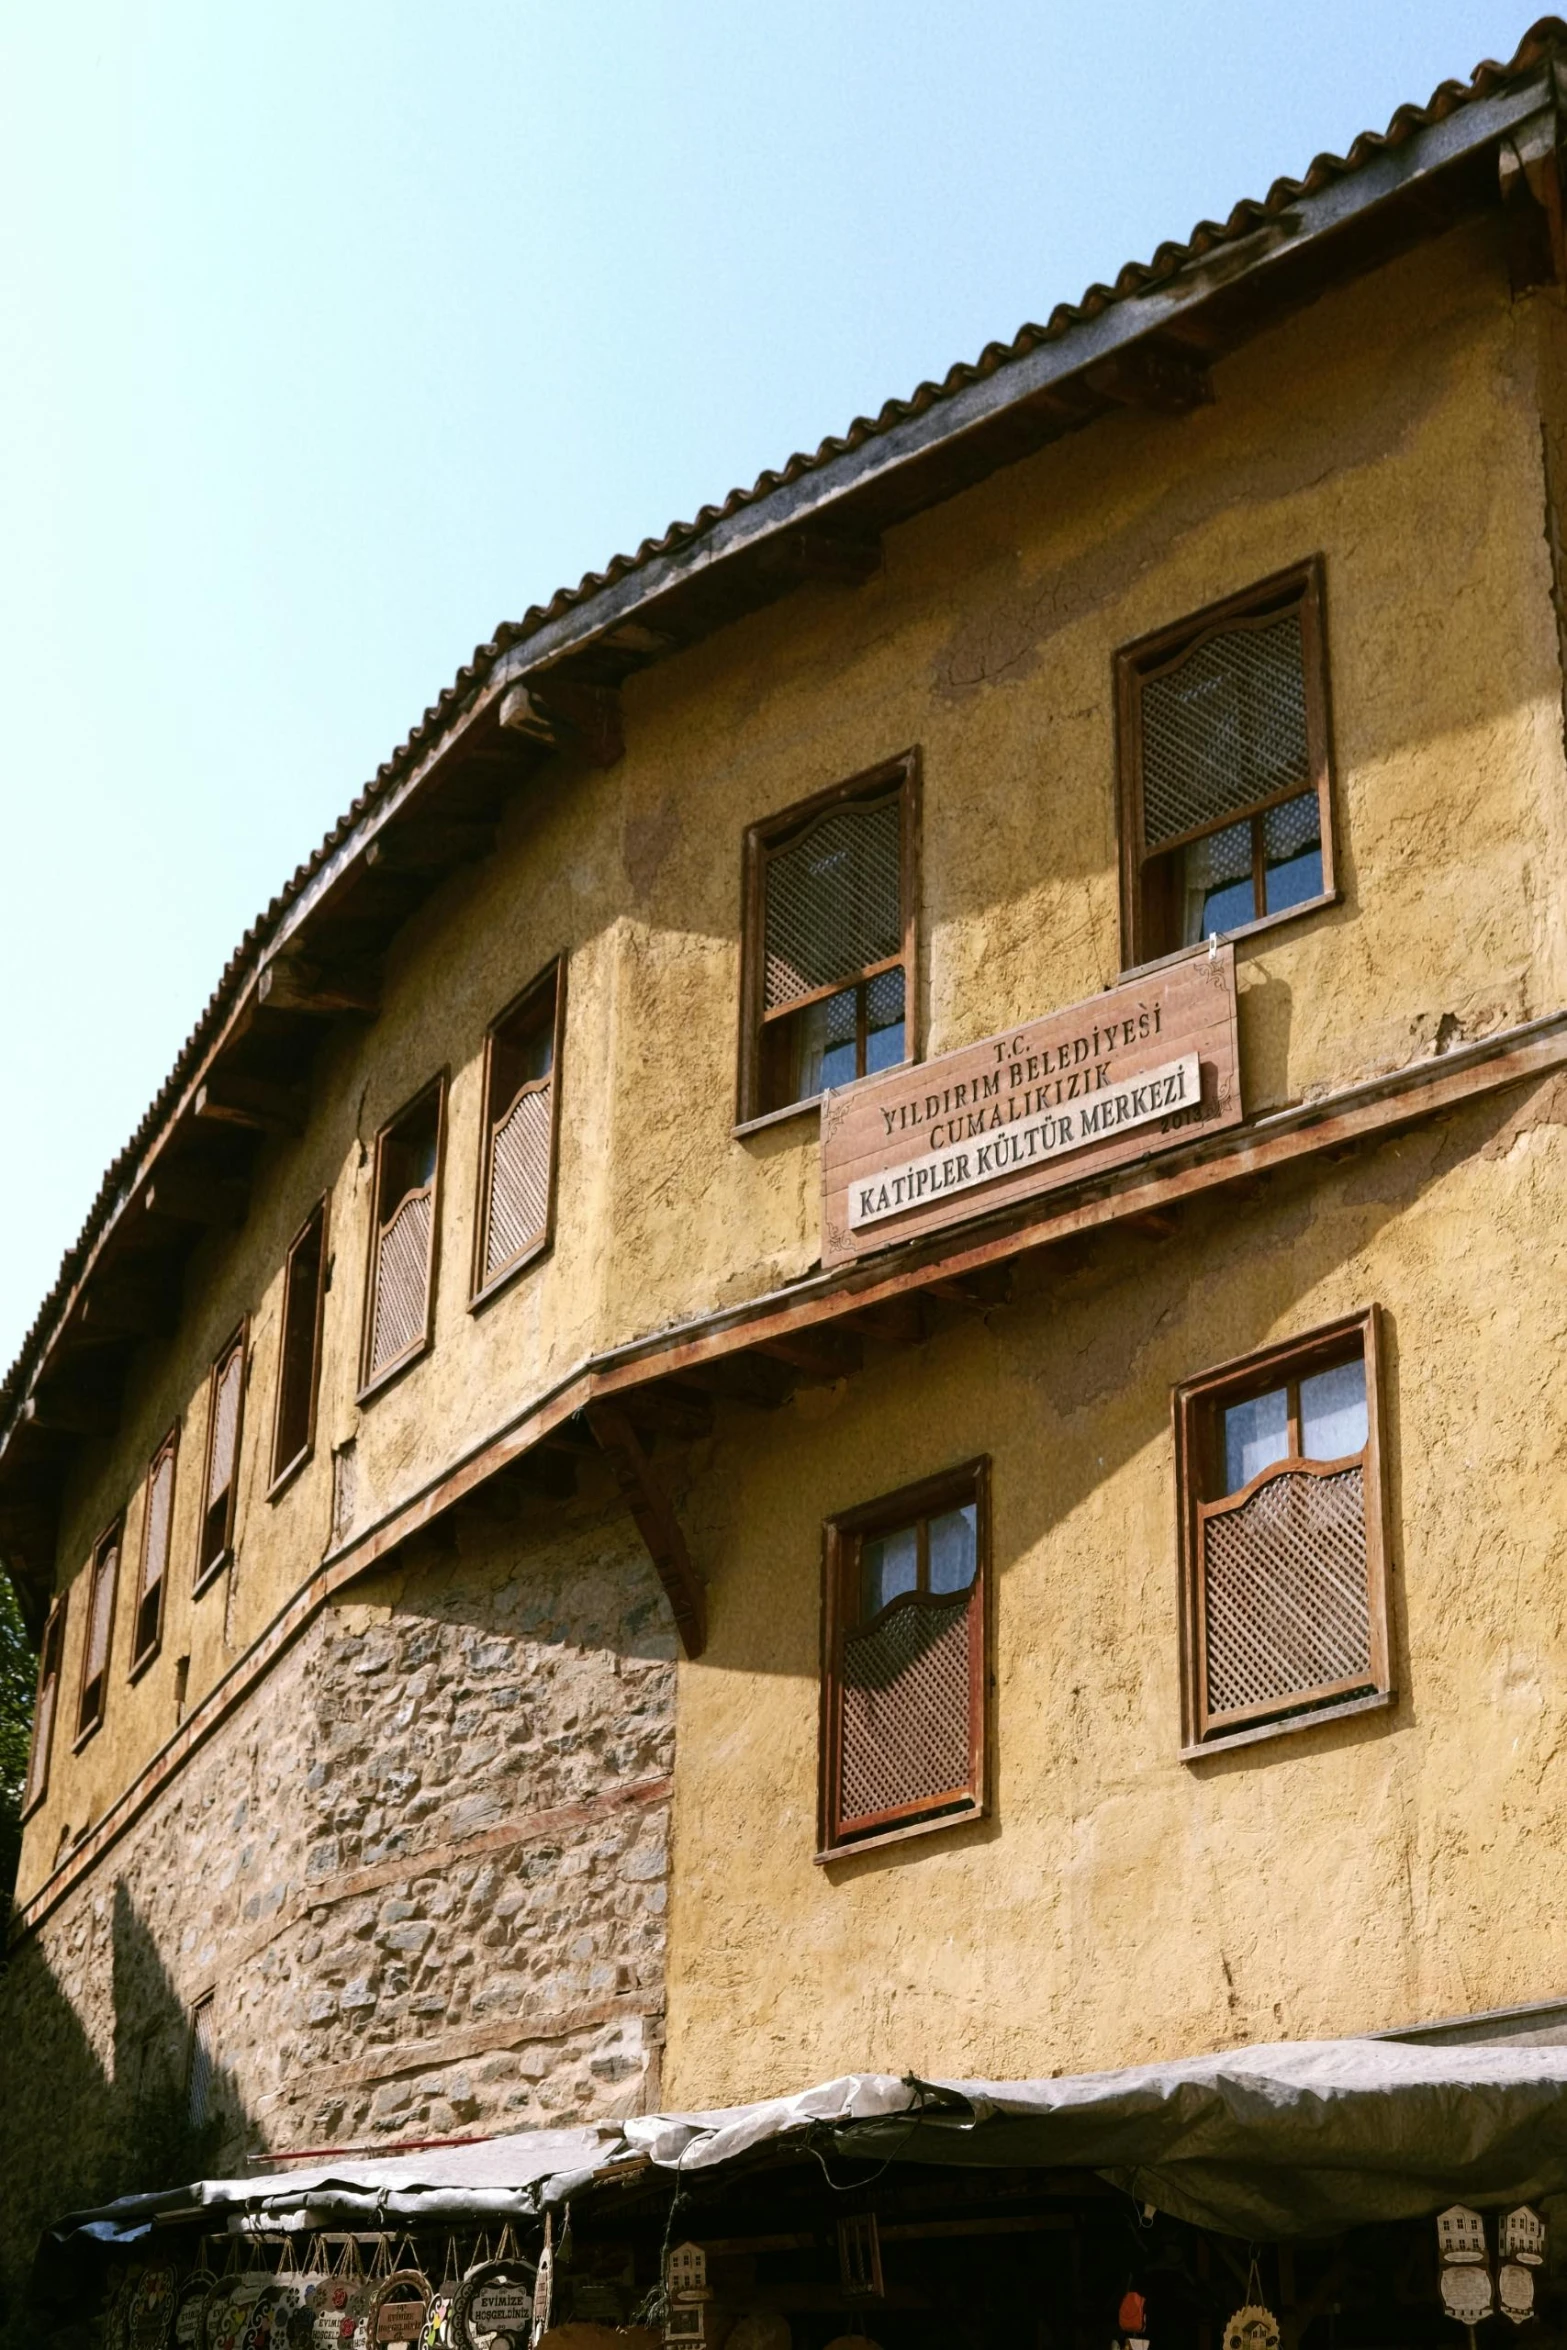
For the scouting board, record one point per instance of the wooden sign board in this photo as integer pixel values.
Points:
(1139, 1069)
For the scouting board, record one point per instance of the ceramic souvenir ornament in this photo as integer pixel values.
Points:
(401, 2304)
(1252, 2328)
(686, 2298)
(686, 2271)
(1515, 2291)
(1466, 2290)
(1460, 2233)
(190, 2304)
(1520, 2236)
(492, 2308)
(149, 2314)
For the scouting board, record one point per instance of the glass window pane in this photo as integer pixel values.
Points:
(883, 1022)
(1256, 1434)
(1333, 1412)
(1292, 852)
(954, 1548)
(889, 1566)
(827, 1053)
(1216, 883)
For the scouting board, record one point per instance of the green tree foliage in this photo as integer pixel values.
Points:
(18, 1666)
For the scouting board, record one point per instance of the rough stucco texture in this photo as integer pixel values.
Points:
(1120, 1905)
(1395, 427)
(424, 1872)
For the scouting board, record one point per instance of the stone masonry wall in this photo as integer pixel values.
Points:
(421, 1870)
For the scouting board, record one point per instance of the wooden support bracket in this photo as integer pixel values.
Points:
(70, 1412)
(1163, 377)
(183, 1196)
(417, 847)
(291, 983)
(656, 1522)
(1529, 166)
(821, 1356)
(257, 1104)
(814, 554)
(559, 715)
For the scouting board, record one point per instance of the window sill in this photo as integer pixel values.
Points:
(1238, 938)
(1338, 1711)
(508, 1273)
(804, 1109)
(209, 1575)
(383, 1379)
(948, 1819)
(83, 1736)
(149, 1656)
(290, 1470)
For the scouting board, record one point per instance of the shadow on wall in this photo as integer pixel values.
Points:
(83, 2123)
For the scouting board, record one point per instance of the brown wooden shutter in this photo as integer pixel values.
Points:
(1286, 1605)
(1224, 727)
(834, 902)
(225, 1409)
(45, 1706)
(299, 1346)
(100, 1631)
(903, 1699)
(157, 1526)
(400, 1287)
(519, 1176)
(402, 1279)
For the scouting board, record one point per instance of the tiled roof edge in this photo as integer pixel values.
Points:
(1134, 279)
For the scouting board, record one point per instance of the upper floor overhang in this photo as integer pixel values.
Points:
(549, 686)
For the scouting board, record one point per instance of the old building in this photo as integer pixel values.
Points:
(837, 1349)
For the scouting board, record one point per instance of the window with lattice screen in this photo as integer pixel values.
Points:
(517, 1158)
(1284, 1569)
(102, 1582)
(45, 1706)
(903, 1687)
(299, 1347)
(220, 1481)
(400, 1292)
(829, 941)
(157, 1525)
(1226, 806)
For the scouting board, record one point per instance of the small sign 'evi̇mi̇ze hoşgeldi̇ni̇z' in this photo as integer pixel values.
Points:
(1136, 1070)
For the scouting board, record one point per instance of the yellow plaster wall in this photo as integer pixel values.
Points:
(1395, 426)
(1121, 1905)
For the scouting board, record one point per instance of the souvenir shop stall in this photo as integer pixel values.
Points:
(1345, 2195)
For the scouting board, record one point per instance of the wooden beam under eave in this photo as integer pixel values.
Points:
(320, 991)
(656, 1522)
(257, 1104)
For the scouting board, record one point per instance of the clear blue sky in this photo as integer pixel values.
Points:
(337, 333)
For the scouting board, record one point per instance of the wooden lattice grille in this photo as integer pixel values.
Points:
(1286, 1606)
(834, 901)
(905, 1736)
(100, 1628)
(225, 1424)
(1224, 729)
(157, 1527)
(402, 1280)
(519, 1199)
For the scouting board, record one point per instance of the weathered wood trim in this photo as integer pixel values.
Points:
(1361, 1113)
(656, 1521)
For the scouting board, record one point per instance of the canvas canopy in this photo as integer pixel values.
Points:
(1297, 2139)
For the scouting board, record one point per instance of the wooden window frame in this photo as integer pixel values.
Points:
(1302, 586)
(480, 1289)
(842, 1536)
(285, 1471)
(51, 1659)
(143, 1652)
(420, 1346)
(112, 1538)
(208, 1574)
(1197, 1404)
(761, 839)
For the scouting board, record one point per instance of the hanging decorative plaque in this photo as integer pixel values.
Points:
(1466, 2291)
(1460, 2233)
(1515, 2291)
(149, 2311)
(1520, 2236)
